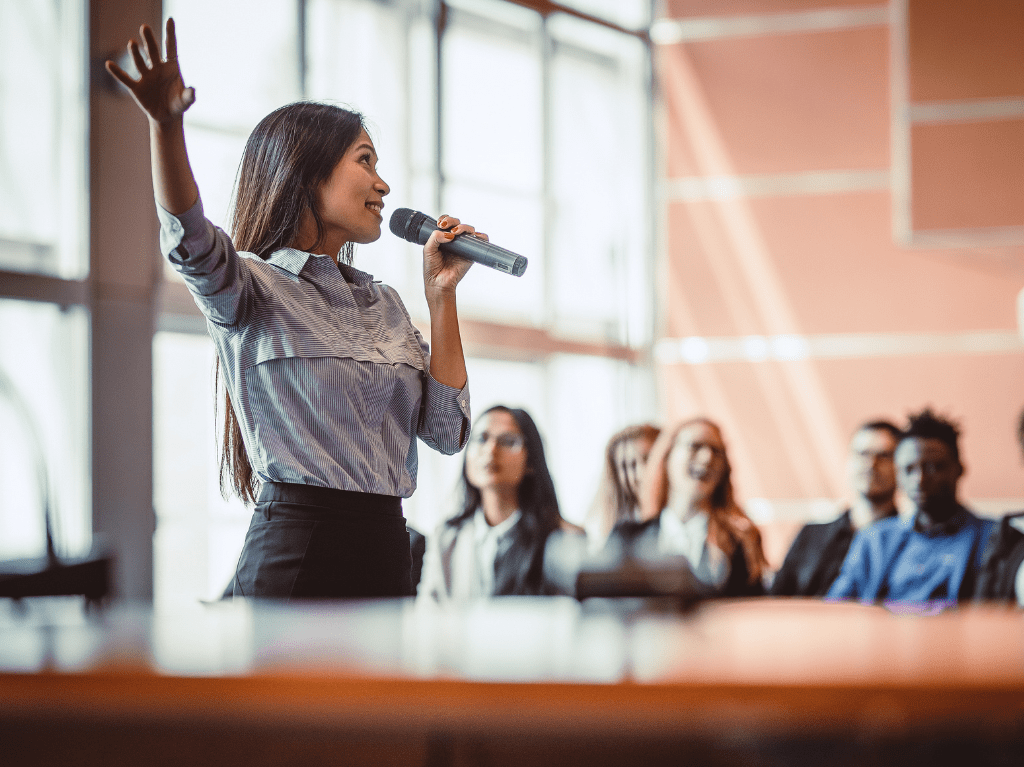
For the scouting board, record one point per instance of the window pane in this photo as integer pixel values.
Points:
(241, 56)
(44, 396)
(514, 222)
(601, 239)
(198, 533)
(42, 137)
(586, 406)
(491, 104)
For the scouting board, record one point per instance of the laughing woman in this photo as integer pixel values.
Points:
(327, 382)
(688, 506)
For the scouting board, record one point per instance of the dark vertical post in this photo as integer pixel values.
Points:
(124, 271)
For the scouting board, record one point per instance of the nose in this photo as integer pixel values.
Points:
(382, 187)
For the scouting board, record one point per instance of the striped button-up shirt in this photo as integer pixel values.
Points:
(329, 379)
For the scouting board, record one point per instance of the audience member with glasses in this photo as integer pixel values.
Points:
(494, 545)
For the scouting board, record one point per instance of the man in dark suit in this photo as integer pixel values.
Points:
(817, 553)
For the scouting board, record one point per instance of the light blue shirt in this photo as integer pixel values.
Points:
(894, 560)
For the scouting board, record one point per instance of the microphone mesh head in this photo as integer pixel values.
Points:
(400, 222)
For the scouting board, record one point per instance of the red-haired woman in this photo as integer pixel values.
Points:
(687, 508)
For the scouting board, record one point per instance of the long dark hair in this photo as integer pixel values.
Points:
(623, 501)
(728, 525)
(536, 492)
(287, 159)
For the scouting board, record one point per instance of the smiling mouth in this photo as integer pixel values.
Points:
(375, 207)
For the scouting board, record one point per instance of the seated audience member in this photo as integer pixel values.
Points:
(817, 553)
(935, 553)
(688, 506)
(618, 496)
(494, 546)
(1002, 574)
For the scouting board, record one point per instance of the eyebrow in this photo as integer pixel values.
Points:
(366, 145)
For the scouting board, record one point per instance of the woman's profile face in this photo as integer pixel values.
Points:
(496, 454)
(351, 200)
(696, 463)
(630, 457)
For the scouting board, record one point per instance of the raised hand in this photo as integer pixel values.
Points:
(160, 92)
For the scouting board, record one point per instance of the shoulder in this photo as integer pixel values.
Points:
(819, 531)
(887, 527)
(883, 534)
(631, 530)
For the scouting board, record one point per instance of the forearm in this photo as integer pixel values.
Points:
(174, 185)
(447, 360)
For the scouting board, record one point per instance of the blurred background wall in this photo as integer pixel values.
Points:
(843, 223)
(788, 215)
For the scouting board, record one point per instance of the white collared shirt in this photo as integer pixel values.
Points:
(476, 549)
(689, 538)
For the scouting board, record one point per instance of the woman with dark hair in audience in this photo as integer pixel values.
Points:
(687, 507)
(494, 546)
(618, 495)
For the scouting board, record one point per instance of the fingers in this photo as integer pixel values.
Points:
(152, 46)
(438, 237)
(453, 226)
(170, 40)
(137, 57)
(123, 77)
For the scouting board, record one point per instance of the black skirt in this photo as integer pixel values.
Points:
(319, 543)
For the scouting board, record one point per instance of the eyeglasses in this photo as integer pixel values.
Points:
(513, 443)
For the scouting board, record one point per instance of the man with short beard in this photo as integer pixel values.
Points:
(935, 554)
(817, 553)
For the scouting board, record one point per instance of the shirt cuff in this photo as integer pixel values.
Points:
(445, 398)
(186, 236)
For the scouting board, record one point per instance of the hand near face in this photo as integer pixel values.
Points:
(160, 92)
(440, 271)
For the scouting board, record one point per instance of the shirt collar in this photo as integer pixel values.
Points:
(485, 529)
(294, 261)
(950, 527)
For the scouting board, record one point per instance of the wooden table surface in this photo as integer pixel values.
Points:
(532, 665)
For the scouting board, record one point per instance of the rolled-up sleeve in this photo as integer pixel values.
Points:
(206, 259)
(444, 416)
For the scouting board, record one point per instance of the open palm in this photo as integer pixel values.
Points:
(159, 91)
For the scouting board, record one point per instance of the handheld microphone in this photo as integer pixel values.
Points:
(416, 227)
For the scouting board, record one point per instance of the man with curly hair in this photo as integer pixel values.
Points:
(936, 553)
